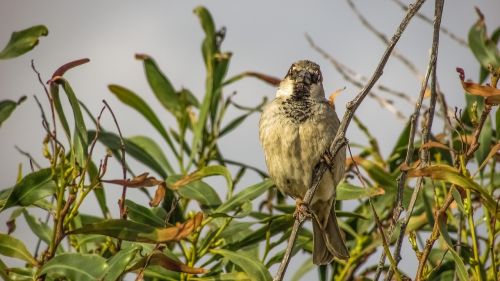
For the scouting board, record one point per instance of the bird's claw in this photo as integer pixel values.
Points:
(301, 210)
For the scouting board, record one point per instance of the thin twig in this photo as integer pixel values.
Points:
(121, 202)
(411, 66)
(425, 18)
(351, 76)
(410, 148)
(340, 139)
(32, 160)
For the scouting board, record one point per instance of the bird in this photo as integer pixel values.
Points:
(296, 129)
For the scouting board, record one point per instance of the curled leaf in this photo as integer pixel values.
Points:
(491, 94)
(334, 95)
(139, 232)
(158, 258)
(141, 180)
(435, 144)
(452, 175)
(159, 195)
(65, 67)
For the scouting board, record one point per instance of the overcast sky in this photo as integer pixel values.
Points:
(264, 36)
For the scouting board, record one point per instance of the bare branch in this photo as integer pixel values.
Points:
(425, 18)
(424, 157)
(340, 139)
(411, 66)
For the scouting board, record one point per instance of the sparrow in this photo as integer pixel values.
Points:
(296, 129)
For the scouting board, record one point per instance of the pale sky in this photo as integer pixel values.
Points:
(264, 36)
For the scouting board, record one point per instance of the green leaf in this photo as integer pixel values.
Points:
(398, 154)
(160, 273)
(80, 141)
(41, 230)
(232, 276)
(12, 247)
(203, 173)
(118, 263)
(139, 232)
(275, 225)
(207, 23)
(346, 191)
(75, 266)
(459, 263)
(113, 142)
(383, 179)
(99, 192)
(136, 102)
(7, 107)
(142, 214)
(201, 192)
(234, 123)
(153, 149)
(54, 93)
(30, 189)
(485, 139)
(246, 194)
(254, 268)
(483, 48)
(161, 86)
(23, 41)
(451, 175)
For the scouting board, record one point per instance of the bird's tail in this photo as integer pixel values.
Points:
(328, 240)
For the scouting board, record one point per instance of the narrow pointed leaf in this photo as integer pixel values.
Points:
(160, 259)
(7, 107)
(23, 41)
(136, 102)
(12, 247)
(112, 141)
(459, 263)
(30, 189)
(142, 214)
(80, 141)
(202, 173)
(451, 175)
(161, 86)
(75, 266)
(154, 150)
(201, 192)
(346, 191)
(483, 48)
(253, 267)
(246, 194)
(118, 263)
(139, 232)
(231, 276)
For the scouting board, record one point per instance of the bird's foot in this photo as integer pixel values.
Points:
(301, 210)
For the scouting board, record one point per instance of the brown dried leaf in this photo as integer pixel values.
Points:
(159, 195)
(334, 95)
(158, 258)
(435, 144)
(141, 180)
(180, 230)
(491, 94)
(61, 70)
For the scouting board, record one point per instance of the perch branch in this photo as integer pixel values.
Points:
(340, 139)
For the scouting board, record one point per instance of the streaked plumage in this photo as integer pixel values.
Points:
(296, 129)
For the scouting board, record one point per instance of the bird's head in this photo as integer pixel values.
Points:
(303, 79)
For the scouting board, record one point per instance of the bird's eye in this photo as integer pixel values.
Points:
(317, 78)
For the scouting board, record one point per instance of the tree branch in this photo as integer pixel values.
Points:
(340, 139)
